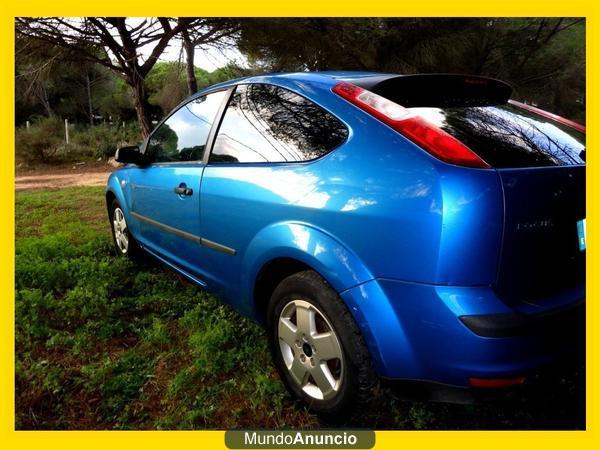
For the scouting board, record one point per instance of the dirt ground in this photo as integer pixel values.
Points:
(52, 177)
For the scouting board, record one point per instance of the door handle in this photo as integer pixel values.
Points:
(182, 189)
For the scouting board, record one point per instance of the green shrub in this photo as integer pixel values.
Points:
(41, 141)
(101, 141)
(44, 141)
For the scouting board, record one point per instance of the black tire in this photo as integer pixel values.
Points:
(357, 381)
(133, 249)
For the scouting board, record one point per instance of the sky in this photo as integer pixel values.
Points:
(209, 59)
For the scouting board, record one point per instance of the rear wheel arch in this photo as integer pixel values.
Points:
(269, 276)
(277, 252)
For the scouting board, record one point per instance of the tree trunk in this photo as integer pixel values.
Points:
(43, 97)
(189, 48)
(89, 95)
(142, 106)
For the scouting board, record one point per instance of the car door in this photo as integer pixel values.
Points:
(256, 174)
(165, 195)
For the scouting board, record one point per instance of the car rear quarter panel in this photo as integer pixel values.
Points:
(399, 212)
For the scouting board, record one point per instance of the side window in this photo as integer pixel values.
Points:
(183, 136)
(265, 123)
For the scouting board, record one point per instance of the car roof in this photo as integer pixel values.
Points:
(424, 89)
(304, 76)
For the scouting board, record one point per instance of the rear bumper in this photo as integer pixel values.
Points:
(450, 334)
(569, 372)
(517, 324)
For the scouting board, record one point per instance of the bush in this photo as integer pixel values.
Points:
(44, 141)
(101, 141)
(41, 141)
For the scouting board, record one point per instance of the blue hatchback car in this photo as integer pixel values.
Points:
(423, 228)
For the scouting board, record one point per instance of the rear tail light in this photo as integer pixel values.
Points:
(426, 135)
(495, 383)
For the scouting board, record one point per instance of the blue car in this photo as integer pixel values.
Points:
(419, 228)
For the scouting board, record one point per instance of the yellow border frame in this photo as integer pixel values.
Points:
(463, 440)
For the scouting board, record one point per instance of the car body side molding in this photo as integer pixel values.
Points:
(184, 234)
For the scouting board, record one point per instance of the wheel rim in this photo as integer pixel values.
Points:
(310, 349)
(120, 231)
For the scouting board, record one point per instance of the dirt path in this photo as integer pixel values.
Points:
(62, 176)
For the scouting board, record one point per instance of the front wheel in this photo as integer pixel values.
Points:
(125, 244)
(318, 348)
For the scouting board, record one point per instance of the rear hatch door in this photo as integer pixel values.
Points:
(543, 251)
(540, 161)
(541, 167)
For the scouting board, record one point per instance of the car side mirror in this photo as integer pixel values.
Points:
(130, 155)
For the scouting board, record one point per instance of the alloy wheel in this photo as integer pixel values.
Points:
(120, 230)
(310, 349)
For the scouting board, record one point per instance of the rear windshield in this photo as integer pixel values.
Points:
(508, 136)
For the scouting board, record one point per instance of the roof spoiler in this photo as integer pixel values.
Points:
(437, 90)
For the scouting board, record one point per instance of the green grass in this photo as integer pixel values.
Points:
(102, 343)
